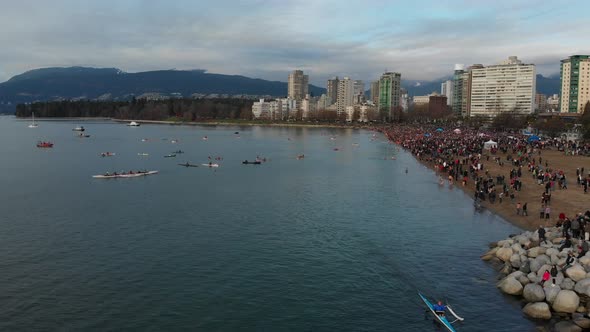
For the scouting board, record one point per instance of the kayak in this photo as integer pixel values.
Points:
(211, 165)
(188, 165)
(442, 319)
(170, 156)
(127, 175)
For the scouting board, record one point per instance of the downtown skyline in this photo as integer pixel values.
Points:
(266, 39)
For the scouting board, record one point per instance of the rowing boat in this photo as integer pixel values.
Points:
(442, 319)
(127, 175)
(188, 165)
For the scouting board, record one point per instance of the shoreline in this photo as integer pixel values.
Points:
(569, 201)
(251, 124)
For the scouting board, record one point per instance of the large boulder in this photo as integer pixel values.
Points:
(554, 259)
(539, 310)
(507, 269)
(566, 301)
(583, 286)
(584, 260)
(568, 284)
(567, 326)
(516, 274)
(539, 261)
(490, 254)
(533, 277)
(557, 240)
(582, 322)
(551, 251)
(576, 272)
(504, 254)
(515, 260)
(536, 251)
(510, 285)
(551, 293)
(505, 243)
(522, 239)
(523, 280)
(533, 293)
(525, 266)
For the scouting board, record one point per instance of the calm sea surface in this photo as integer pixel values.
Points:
(339, 241)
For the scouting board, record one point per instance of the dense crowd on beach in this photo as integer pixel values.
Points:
(460, 154)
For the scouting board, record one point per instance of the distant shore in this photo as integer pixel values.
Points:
(246, 123)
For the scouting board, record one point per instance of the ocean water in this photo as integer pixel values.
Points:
(339, 241)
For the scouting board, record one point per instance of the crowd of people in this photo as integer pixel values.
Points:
(461, 155)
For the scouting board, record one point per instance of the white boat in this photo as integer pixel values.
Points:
(33, 124)
(79, 128)
(133, 124)
(143, 154)
(125, 175)
(211, 165)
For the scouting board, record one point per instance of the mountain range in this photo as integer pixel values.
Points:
(59, 83)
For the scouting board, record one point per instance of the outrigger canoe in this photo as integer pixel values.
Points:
(442, 319)
(211, 165)
(246, 162)
(188, 165)
(126, 175)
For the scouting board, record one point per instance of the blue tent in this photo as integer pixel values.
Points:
(427, 135)
(439, 129)
(533, 138)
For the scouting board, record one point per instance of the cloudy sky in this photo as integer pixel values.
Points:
(268, 38)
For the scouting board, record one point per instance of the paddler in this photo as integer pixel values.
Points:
(439, 309)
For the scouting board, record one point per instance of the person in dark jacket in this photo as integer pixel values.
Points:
(567, 243)
(553, 274)
(541, 232)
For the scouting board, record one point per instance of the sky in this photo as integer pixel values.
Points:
(422, 40)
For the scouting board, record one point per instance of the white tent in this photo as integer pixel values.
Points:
(490, 145)
(457, 131)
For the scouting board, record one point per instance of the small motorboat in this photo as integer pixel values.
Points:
(188, 165)
(246, 162)
(107, 154)
(79, 128)
(133, 124)
(172, 155)
(44, 144)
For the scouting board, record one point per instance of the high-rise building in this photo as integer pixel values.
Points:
(505, 88)
(359, 91)
(575, 83)
(540, 102)
(459, 78)
(553, 103)
(298, 85)
(389, 92)
(332, 90)
(345, 95)
(375, 92)
(446, 89)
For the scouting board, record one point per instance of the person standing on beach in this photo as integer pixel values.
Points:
(518, 207)
(524, 210)
(542, 212)
(547, 212)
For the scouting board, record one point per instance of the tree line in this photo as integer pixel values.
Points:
(142, 109)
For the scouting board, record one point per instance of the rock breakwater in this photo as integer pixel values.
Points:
(552, 286)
